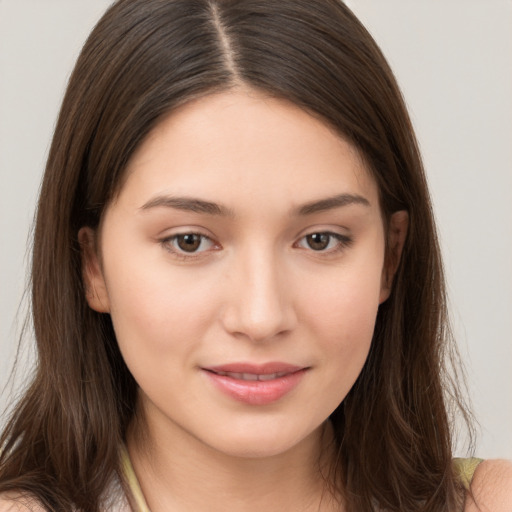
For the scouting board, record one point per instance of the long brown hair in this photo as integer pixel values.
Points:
(143, 59)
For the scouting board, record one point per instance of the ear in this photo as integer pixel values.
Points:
(92, 273)
(397, 233)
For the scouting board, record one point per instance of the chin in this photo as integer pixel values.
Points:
(260, 443)
(255, 450)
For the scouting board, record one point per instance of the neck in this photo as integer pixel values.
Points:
(178, 472)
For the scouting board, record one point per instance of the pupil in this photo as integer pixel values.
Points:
(189, 243)
(318, 241)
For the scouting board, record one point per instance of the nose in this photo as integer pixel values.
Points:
(260, 305)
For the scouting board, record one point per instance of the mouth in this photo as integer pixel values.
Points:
(251, 376)
(256, 384)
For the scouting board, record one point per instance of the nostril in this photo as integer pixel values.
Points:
(258, 323)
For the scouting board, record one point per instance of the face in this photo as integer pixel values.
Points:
(242, 264)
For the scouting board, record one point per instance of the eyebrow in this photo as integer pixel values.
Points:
(332, 202)
(191, 204)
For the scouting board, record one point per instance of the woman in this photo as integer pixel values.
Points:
(235, 218)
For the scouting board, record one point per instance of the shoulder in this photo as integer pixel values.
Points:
(491, 488)
(11, 502)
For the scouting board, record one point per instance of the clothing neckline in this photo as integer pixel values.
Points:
(131, 481)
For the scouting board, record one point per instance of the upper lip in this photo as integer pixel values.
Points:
(256, 369)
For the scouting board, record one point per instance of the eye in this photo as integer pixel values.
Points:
(324, 241)
(188, 243)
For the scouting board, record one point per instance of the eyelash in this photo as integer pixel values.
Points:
(342, 242)
(169, 243)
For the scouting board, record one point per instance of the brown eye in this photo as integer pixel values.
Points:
(318, 241)
(190, 242)
(325, 242)
(189, 245)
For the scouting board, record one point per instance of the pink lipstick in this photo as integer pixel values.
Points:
(255, 384)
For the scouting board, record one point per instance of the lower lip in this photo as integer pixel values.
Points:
(256, 392)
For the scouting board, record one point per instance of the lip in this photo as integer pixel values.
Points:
(255, 384)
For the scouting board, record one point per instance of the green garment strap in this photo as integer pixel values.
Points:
(131, 481)
(466, 469)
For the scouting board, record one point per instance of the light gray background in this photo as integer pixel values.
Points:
(453, 61)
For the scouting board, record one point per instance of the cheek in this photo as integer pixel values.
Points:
(346, 301)
(342, 317)
(157, 312)
(348, 325)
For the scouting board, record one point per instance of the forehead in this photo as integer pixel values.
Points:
(242, 142)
